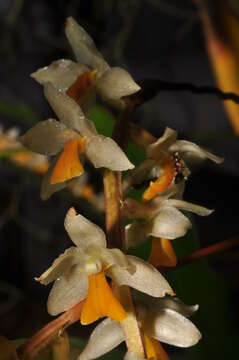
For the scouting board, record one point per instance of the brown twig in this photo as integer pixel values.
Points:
(152, 87)
(222, 246)
(49, 332)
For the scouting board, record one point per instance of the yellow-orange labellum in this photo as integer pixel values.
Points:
(154, 349)
(68, 165)
(162, 253)
(81, 87)
(100, 301)
(163, 182)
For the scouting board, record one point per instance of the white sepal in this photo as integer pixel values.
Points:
(174, 303)
(68, 112)
(46, 137)
(68, 291)
(60, 73)
(84, 47)
(104, 152)
(169, 223)
(191, 149)
(161, 146)
(172, 328)
(83, 232)
(145, 278)
(187, 206)
(104, 338)
(60, 266)
(116, 83)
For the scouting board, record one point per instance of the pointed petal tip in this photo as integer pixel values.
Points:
(71, 212)
(69, 19)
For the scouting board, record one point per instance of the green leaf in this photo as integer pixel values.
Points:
(103, 120)
(18, 111)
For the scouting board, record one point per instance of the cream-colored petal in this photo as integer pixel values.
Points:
(104, 338)
(116, 83)
(67, 110)
(60, 73)
(60, 266)
(83, 232)
(84, 47)
(46, 137)
(172, 328)
(112, 257)
(174, 303)
(104, 152)
(190, 149)
(169, 223)
(47, 189)
(145, 278)
(184, 205)
(135, 234)
(67, 291)
(159, 147)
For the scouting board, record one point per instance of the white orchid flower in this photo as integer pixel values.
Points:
(79, 274)
(72, 137)
(165, 162)
(164, 320)
(160, 218)
(91, 72)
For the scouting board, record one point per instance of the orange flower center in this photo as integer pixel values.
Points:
(154, 349)
(81, 87)
(68, 164)
(162, 253)
(100, 301)
(163, 181)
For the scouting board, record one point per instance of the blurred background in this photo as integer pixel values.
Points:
(179, 41)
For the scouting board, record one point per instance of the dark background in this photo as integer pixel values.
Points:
(151, 38)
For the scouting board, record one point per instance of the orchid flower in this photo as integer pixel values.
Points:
(163, 320)
(160, 217)
(72, 137)
(90, 74)
(165, 162)
(79, 274)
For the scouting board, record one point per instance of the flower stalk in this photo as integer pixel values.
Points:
(116, 237)
(49, 333)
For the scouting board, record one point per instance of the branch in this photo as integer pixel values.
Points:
(49, 332)
(222, 246)
(152, 87)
